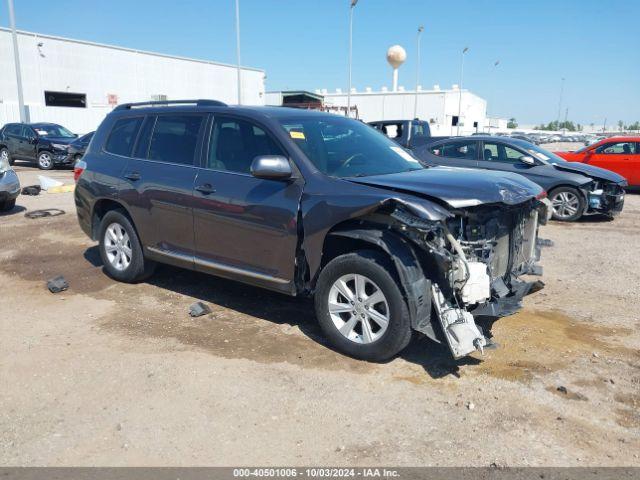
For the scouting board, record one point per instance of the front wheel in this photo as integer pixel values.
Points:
(360, 307)
(45, 161)
(120, 249)
(567, 203)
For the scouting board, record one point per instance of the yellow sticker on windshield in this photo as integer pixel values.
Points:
(296, 135)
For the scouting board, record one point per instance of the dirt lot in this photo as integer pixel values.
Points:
(114, 374)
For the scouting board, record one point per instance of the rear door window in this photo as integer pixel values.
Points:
(467, 150)
(14, 130)
(123, 135)
(175, 138)
(498, 152)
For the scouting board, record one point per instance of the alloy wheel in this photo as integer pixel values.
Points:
(4, 154)
(44, 160)
(358, 308)
(565, 204)
(117, 246)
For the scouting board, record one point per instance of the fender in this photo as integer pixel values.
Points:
(416, 287)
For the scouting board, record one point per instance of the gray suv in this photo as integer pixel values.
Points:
(310, 203)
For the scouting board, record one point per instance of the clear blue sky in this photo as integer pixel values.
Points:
(594, 44)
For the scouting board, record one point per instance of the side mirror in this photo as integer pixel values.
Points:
(33, 140)
(271, 167)
(527, 160)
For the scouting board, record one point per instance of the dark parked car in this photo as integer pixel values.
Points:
(408, 133)
(76, 149)
(311, 203)
(43, 143)
(574, 189)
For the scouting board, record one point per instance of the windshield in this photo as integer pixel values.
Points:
(53, 131)
(342, 147)
(541, 154)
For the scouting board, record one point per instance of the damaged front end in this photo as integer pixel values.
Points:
(473, 261)
(604, 197)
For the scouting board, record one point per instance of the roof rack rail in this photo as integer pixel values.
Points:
(197, 103)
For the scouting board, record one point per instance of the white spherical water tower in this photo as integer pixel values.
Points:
(396, 55)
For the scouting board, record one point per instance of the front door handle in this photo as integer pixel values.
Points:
(205, 189)
(133, 176)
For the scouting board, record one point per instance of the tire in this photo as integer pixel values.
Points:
(7, 205)
(45, 160)
(4, 153)
(567, 204)
(126, 243)
(377, 343)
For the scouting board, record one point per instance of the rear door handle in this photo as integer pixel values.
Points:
(133, 176)
(205, 189)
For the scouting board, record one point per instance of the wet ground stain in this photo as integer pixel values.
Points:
(534, 343)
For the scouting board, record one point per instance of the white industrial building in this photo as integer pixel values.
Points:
(90, 79)
(437, 106)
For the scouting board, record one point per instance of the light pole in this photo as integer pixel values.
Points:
(16, 60)
(560, 103)
(238, 51)
(495, 67)
(465, 50)
(351, 7)
(415, 105)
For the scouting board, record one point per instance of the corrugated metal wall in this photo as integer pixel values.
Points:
(55, 64)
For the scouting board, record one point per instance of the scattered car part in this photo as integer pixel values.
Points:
(32, 190)
(57, 284)
(198, 309)
(47, 212)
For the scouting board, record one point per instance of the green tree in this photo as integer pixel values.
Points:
(512, 123)
(634, 126)
(620, 125)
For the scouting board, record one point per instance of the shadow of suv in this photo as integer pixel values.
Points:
(311, 203)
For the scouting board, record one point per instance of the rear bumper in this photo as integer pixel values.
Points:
(9, 186)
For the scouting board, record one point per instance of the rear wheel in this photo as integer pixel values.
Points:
(360, 307)
(121, 250)
(567, 203)
(45, 160)
(7, 205)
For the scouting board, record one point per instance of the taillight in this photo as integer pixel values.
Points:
(78, 168)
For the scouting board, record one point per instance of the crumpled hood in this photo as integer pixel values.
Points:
(458, 187)
(590, 171)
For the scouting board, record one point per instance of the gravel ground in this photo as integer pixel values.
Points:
(114, 374)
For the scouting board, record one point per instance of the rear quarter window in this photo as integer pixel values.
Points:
(123, 136)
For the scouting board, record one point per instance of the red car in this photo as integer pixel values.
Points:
(618, 154)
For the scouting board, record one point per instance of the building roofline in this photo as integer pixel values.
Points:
(126, 49)
(398, 92)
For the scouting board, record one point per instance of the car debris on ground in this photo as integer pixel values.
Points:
(47, 212)
(31, 190)
(57, 284)
(198, 309)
